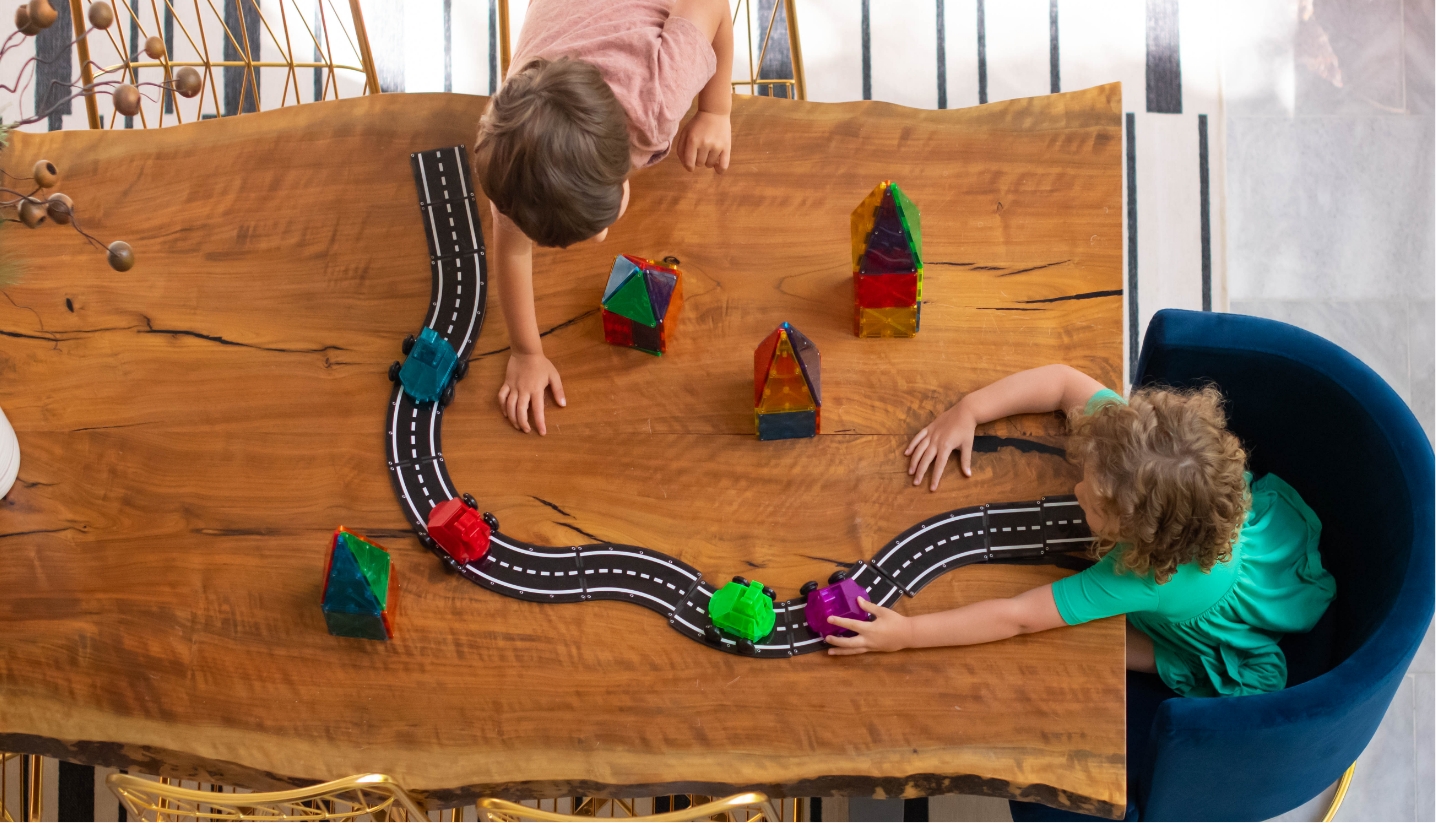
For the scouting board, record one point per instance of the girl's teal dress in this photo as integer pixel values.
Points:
(1216, 633)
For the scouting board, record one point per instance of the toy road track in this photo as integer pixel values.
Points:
(995, 532)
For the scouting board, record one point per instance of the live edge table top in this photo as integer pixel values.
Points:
(193, 430)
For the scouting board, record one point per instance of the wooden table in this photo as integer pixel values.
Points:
(194, 429)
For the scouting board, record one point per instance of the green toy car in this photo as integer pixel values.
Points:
(742, 609)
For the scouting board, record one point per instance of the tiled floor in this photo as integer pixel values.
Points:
(1320, 161)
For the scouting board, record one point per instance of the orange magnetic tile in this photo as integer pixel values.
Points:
(863, 219)
(894, 322)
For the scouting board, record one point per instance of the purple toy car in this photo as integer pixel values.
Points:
(837, 600)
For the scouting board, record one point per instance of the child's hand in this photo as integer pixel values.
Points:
(524, 383)
(888, 631)
(705, 142)
(953, 430)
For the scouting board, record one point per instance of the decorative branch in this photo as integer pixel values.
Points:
(33, 208)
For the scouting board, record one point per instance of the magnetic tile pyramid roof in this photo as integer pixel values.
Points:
(358, 579)
(639, 289)
(886, 232)
(786, 372)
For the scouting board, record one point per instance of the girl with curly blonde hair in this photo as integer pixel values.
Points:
(1210, 567)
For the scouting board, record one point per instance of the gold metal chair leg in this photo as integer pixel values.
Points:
(504, 55)
(35, 807)
(1341, 786)
(4, 798)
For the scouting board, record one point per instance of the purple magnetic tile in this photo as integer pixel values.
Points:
(810, 361)
(838, 600)
(660, 290)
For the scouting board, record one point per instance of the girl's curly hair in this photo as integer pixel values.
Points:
(1170, 476)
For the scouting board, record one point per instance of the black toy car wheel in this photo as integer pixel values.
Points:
(742, 581)
(470, 501)
(461, 370)
(772, 595)
(713, 635)
(447, 397)
(408, 344)
(491, 520)
(840, 574)
(394, 372)
(747, 647)
(808, 588)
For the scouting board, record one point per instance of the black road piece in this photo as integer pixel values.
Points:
(632, 574)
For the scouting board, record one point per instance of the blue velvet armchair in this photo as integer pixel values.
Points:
(1324, 422)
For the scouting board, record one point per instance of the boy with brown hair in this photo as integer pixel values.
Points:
(598, 93)
(1210, 565)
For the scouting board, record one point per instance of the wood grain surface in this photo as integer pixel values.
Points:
(193, 430)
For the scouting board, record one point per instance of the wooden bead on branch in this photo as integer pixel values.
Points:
(60, 208)
(23, 23)
(101, 15)
(45, 174)
(42, 14)
(154, 47)
(187, 82)
(32, 212)
(122, 257)
(127, 99)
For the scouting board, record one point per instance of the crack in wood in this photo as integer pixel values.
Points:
(843, 564)
(33, 531)
(551, 506)
(1087, 295)
(565, 324)
(988, 443)
(595, 538)
(114, 426)
(1035, 268)
(214, 338)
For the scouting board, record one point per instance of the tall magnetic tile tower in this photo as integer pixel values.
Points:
(887, 264)
(641, 303)
(361, 590)
(787, 385)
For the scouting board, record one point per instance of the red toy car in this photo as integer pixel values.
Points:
(459, 529)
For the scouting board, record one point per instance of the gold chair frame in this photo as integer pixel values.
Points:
(753, 806)
(374, 795)
(129, 65)
(35, 792)
(798, 84)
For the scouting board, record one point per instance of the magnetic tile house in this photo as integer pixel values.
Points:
(641, 303)
(887, 264)
(361, 591)
(787, 385)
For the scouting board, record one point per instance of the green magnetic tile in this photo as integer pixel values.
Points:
(911, 222)
(631, 300)
(374, 562)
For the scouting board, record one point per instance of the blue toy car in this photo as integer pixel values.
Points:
(430, 370)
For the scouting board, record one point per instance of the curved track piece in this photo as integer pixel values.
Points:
(457, 302)
(996, 532)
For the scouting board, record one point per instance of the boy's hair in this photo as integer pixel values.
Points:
(1169, 475)
(552, 151)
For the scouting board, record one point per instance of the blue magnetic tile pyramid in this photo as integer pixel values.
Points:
(360, 588)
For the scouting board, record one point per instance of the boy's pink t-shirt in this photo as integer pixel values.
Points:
(655, 64)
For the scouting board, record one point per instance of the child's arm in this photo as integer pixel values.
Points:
(1043, 389)
(529, 371)
(708, 137)
(984, 622)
